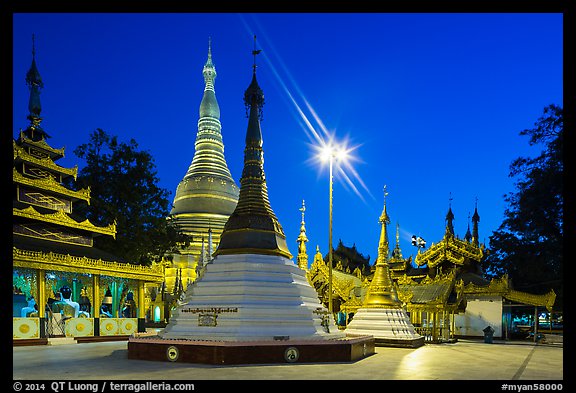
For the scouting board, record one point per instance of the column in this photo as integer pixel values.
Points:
(96, 303)
(41, 301)
(141, 307)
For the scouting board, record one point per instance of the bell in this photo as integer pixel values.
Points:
(107, 297)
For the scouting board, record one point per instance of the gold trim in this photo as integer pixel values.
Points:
(211, 196)
(42, 145)
(68, 263)
(46, 163)
(197, 215)
(50, 184)
(451, 249)
(275, 251)
(61, 218)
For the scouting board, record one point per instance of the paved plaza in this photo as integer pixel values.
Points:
(465, 360)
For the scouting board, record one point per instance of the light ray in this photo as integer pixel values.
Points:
(318, 140)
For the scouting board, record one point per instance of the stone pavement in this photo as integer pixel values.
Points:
(464, 360)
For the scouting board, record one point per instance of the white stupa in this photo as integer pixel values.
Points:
(252, 290)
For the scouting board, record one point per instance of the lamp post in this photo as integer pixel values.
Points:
(329, 153)
(330, 308)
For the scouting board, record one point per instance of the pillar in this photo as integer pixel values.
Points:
(41, 301)
(97, 302)
(141, 307)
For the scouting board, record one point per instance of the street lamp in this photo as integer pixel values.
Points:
(329, 153)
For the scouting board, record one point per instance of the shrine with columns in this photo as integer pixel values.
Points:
(63, 286)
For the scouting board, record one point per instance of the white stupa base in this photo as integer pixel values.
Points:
(251, 297)
(389, 326)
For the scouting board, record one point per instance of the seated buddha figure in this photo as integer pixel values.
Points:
(71, 308)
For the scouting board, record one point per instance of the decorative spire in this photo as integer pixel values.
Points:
(302, 257)
(381, 292)
(468, 236)
(210, 250)
(475, 221)
(254, 96)
(253, 227)
(34, 82)
(383, 247)
(397, 252)
(450, 217)
(209, 105)
(207, 194)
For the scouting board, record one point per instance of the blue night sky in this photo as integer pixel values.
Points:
(432, 104)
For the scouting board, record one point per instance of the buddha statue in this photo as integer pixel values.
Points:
(129, 309)
(71, 308)
(85, 305)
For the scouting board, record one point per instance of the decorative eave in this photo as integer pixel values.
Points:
(47, 163)
(450, 248)
(50, 184)
(406, 285)
(42, 145)
(68, 263)
(500, 286)
(340, 285)
(62, 218)
(497, 286)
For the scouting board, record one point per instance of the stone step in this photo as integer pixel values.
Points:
(61, 340)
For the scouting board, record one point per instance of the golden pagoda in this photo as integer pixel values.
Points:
(207, 194)
(382, 315)
(53, 249)
(445, 293)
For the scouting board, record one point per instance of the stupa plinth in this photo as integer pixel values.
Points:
(252, 303)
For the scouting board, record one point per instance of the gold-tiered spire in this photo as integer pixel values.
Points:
(381, 292)
(253, 227)
(207, 194)
(475, 221)
(450, 218)
(302, 257)
(34, 82)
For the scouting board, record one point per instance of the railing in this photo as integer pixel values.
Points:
(426, 332)
(55, 324)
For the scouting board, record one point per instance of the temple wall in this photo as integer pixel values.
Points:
(480, 312)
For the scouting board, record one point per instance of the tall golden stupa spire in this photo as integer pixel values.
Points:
(253, 227)
(381, 292)
(207, 194)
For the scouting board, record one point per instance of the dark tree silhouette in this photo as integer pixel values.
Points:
(124, 188)
(528, 245)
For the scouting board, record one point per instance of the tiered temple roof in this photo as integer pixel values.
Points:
(47, 234)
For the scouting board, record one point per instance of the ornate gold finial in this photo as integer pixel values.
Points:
(385, 194)
(255, 52)
(302, 240)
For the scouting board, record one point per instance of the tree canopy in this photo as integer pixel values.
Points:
(528, 245)
(124, 188)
